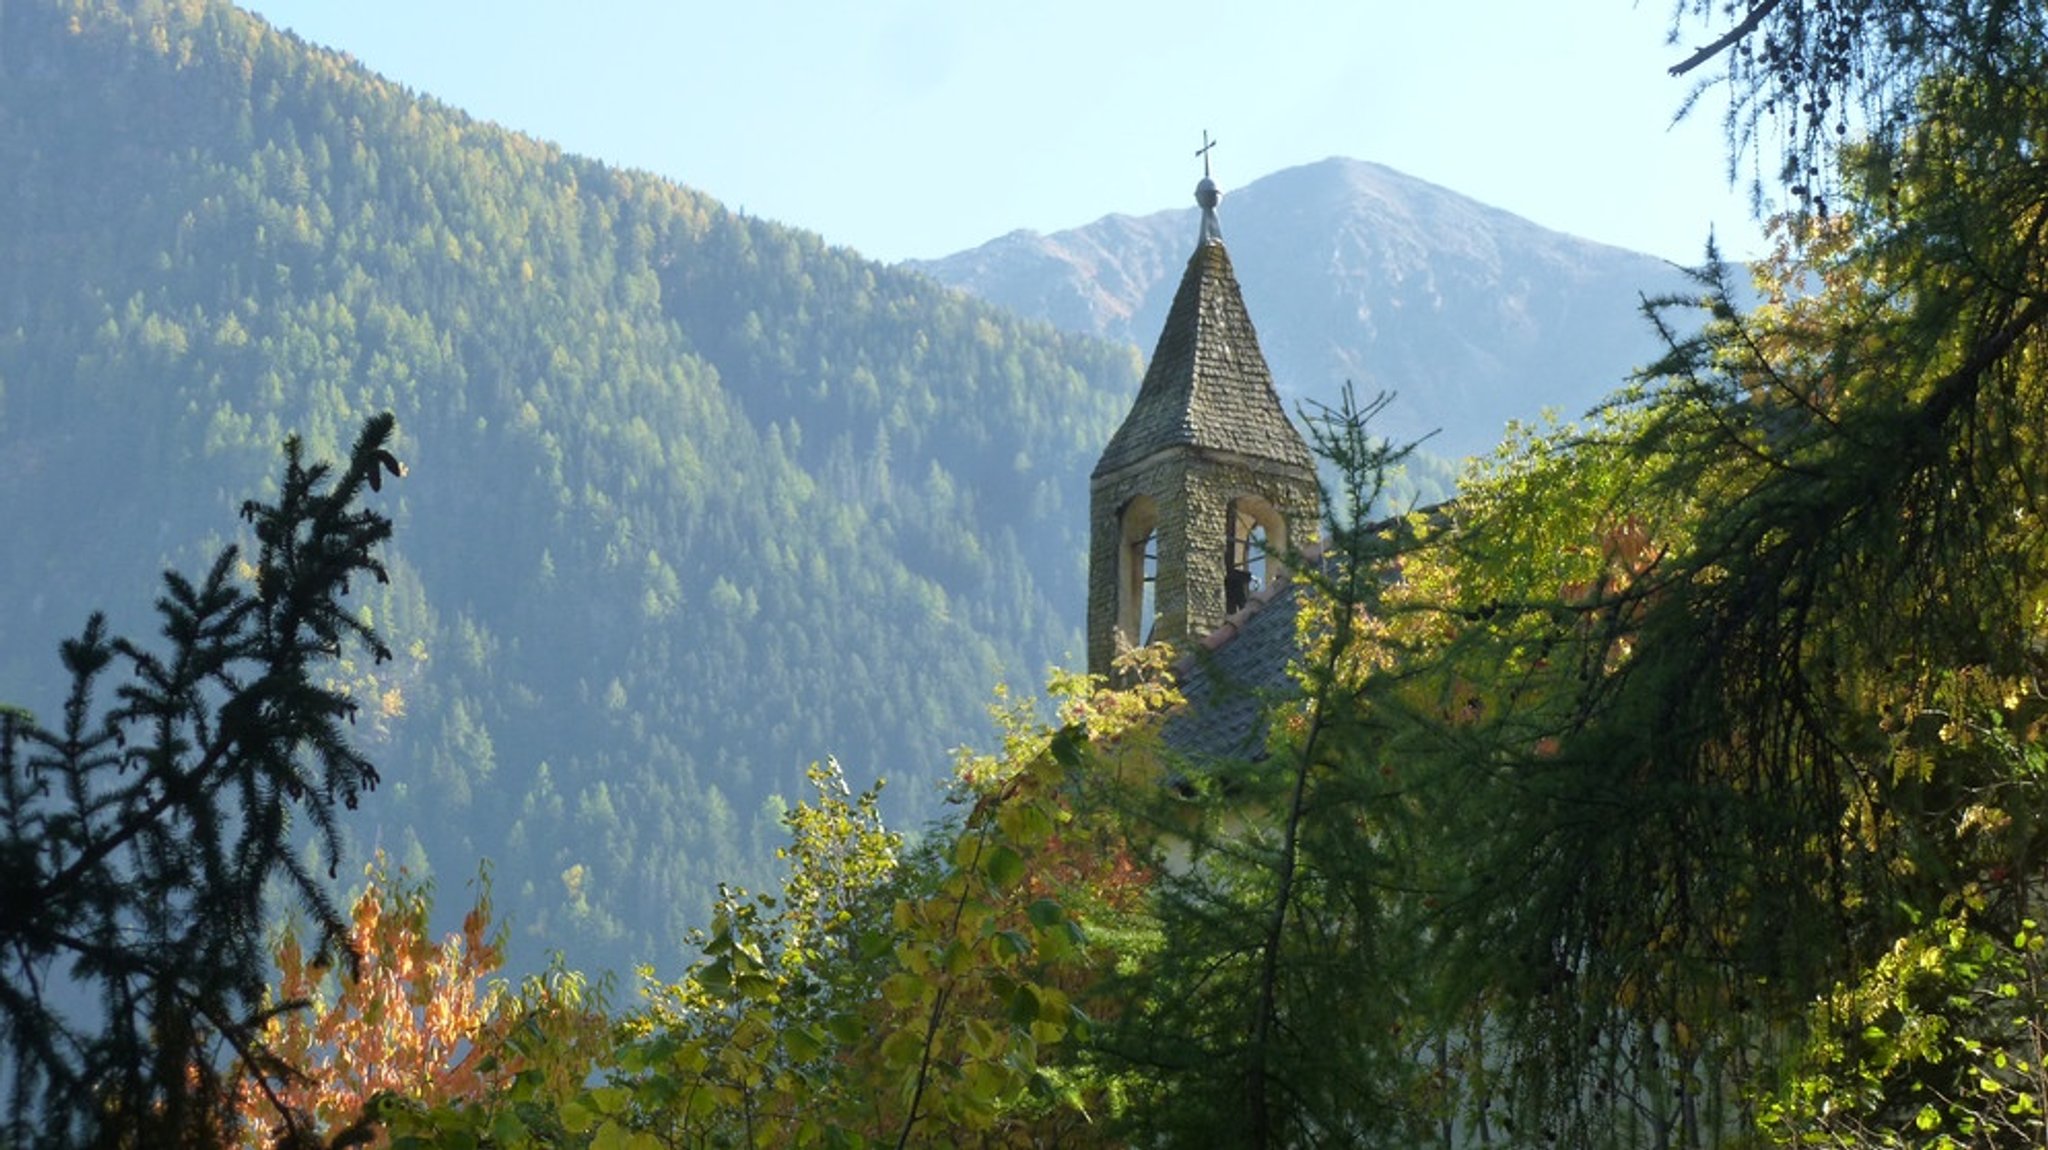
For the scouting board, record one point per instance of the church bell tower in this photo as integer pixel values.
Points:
(1207, 484)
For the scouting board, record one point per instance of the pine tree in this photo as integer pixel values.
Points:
(142, 835)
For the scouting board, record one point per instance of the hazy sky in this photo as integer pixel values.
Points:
(918, 127)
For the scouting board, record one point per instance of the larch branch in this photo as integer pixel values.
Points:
(1756, 16)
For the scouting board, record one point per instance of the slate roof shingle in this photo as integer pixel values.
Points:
(1208, 385)
(1232, 679)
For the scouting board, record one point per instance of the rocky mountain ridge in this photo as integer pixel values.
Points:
(1353, 271)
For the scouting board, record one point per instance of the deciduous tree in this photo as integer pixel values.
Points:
(401, 1014)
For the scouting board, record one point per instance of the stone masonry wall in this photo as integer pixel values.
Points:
(1193, 491)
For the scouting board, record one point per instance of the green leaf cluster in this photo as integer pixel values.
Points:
(880, 998)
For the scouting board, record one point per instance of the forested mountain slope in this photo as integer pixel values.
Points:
(694, 499)
(1472, 316)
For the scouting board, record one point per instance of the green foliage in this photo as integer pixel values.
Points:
(140, 842)
(1940, 1044)
(1733, 700)
(877, 999)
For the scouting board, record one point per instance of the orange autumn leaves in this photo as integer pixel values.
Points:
(415, 1016)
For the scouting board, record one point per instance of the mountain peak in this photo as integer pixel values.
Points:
(1355, 271)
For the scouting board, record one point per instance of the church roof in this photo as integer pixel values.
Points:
(1232, 680)
(1207, 386)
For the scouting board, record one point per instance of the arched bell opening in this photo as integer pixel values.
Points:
(1137, 574)
(1254, 541)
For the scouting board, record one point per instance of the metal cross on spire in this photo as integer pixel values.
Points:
(1207, 196)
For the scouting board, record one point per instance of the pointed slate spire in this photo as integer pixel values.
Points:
(1208, 385)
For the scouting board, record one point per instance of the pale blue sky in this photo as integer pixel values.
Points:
(918, 127)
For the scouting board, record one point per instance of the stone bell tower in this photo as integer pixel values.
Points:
(1207, 484)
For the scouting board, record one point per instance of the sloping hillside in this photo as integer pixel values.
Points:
(694, 499)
